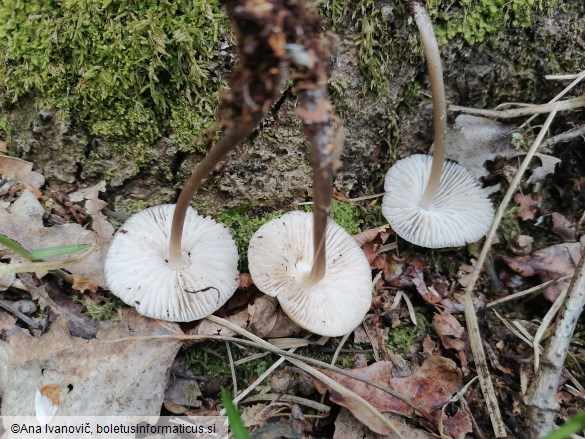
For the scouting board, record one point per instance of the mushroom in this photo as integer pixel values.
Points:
(452, 209)
(140, 271)
(280, 259)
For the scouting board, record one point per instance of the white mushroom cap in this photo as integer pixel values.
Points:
(138, 272)
(280, 258)
(460, 213)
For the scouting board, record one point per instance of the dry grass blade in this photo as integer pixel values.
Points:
(232, 368)
(541, 397)
(569, 104)
(544, 325)
(384, 425)
(289, 398)
(527, 292)
(470, 316)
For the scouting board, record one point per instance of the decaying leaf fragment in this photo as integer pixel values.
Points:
(527, 206)
(23, 222)
(429, 388)
(96, 377)
(473, 141)
(549, 263)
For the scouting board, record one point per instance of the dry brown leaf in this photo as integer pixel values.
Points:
(182, 389)
(449, 330)
(101, 376)
(562, 227)
(23, 222)
(263, 315)
(7, 322)
(464, 273)
(12, 167)
(523, 245)
(549, 263)
(429, 388)
(348, 427)
(267, 320)
(254, 415)
(526, 206)
(82, 284)
(245, 281)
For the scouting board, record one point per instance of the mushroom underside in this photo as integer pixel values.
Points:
(138, 271)
(280, 259)
(459, 214)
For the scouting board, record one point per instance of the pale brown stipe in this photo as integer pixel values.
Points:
(430, 202)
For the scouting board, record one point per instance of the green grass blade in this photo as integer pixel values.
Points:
(15, 247)
(574, 425)
(238, 429)
(49, 252)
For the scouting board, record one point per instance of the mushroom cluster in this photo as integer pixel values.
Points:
(431, 202)
(172, 264)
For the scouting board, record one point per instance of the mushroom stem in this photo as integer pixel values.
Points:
(433, 56)
(228, 141)
(322, 183)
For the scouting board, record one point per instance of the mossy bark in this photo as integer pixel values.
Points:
(385, 114)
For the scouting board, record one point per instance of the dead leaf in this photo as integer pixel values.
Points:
(429, 388)
(527, 206)
(548, 164)
(23, 222)
(473, 141)
(245, 281)
(6, 280)
(254, 414)
(449, 330)
(102, 376)
(348, 427)
(464, 273)
(549, 263)
(263, 314)
(267, 320)
(12, 167)
(562, 227)
(523, 245)
(182, 389)
(82, 284)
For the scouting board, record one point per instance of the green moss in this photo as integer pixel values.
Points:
(479, 21)
(109, 309)
(380, 48)
(347, 215)
(210, 359)
(243, 224)
(400, 340)
(6, 128)
(509, 229)
(352, 216)
(125, 71)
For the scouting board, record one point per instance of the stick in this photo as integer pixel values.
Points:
(541, 398)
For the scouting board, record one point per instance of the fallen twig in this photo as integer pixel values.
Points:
(541, 398)
(569, 104)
